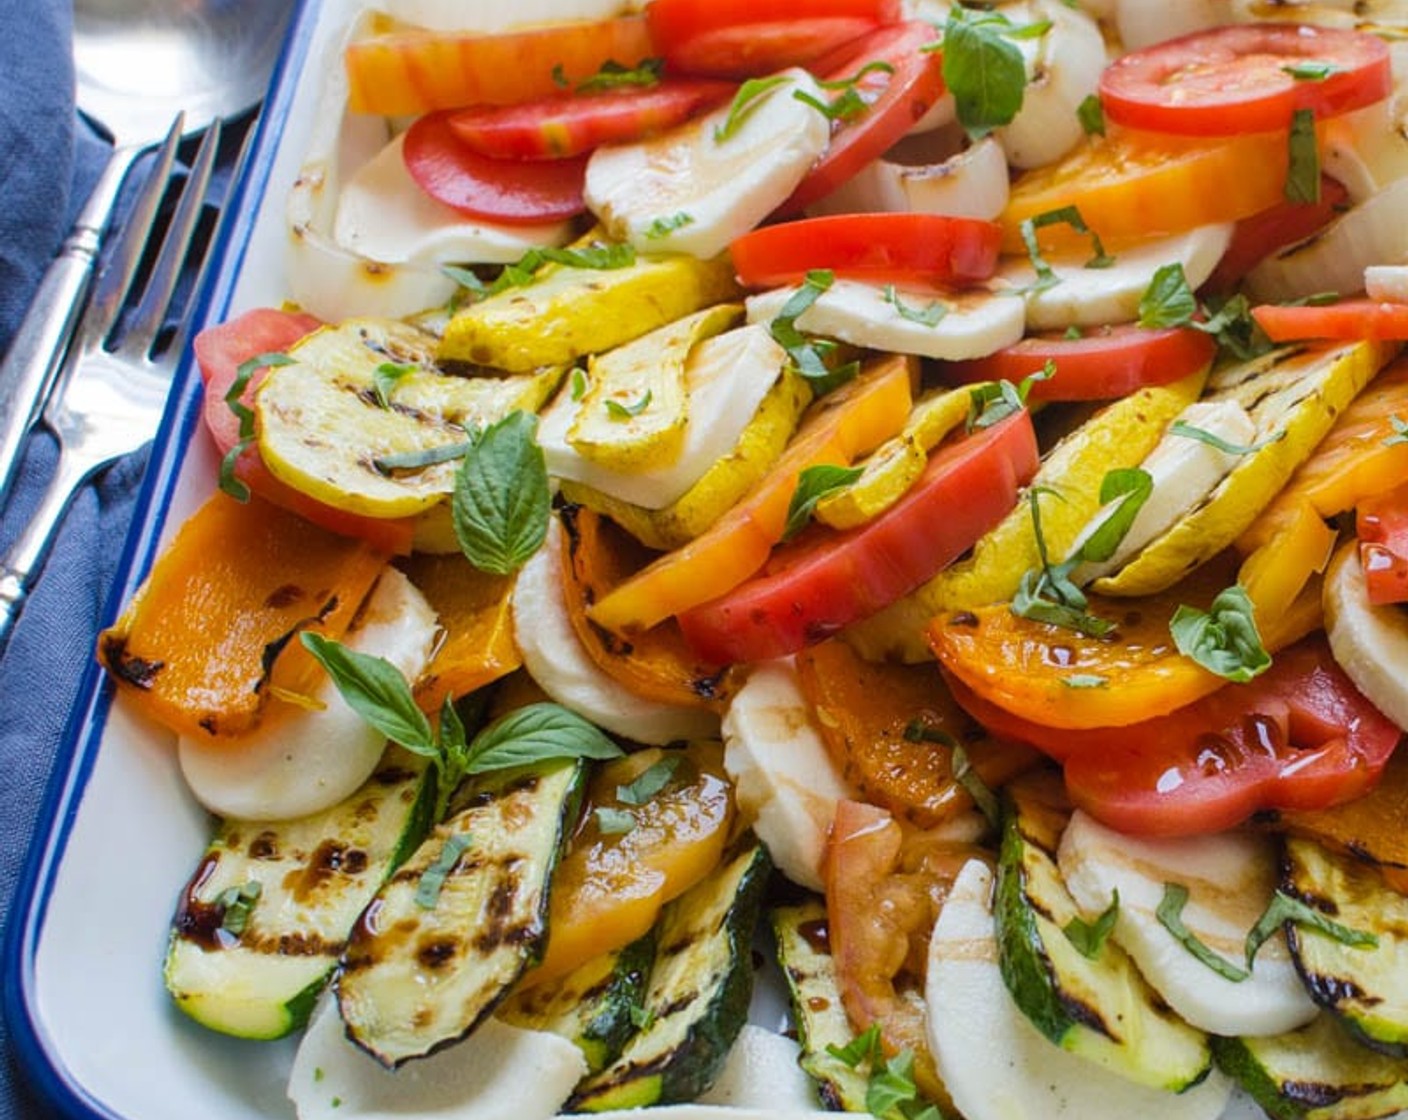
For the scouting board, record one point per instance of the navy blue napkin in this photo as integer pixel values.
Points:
(48, 164)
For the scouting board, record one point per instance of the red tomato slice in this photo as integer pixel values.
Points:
(1104, 363)
(499, 190)
(896, 99)
(746, 38)
(813, 588)
(884, 248)
(559, 127)
(1230, 80)
(1347, 320)
(1300, 736)
(220, 351)
(1256, 238)
(1381, 523)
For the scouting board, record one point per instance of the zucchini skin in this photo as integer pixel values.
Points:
(700, 988)
(316, 874)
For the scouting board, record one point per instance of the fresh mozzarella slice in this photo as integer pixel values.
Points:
(1141, 23)
(563, 670)
(1387, 282)
(1367, 149)
(1230, 879)
(305, 760)
(784, 777)
(1063, 69)
(726, 378)
(1370, 643)
(761, 1071)
(384, 216)
(975, 322)
(456, 15)
(1184, 471)
(498, 1073)
(994, 1062)
(972, 183)
(1094, 297)
(688, 191)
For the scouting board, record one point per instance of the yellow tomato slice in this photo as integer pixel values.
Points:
(854, 419)
(1132, 186)
(403, 73)
(1276, 573)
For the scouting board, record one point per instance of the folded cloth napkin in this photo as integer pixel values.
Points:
(48, 164)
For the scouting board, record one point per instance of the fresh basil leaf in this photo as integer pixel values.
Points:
(663, 227)
(864, 1048)
(813, 484)
(1168, 301)
(746, 101)
(920, 730)
(432, 879)
(1131, 487)
(1091, 115)
(385, 379)
(559, 77)
(1223, 639)
(1170, 916)
(1315, 299)
(1073, 334)
(806, 354)
(537, 733)
(1400, 431)
(1085, 680)
(994, 401)
(652, 781)
(466, 279)
(1310, 70)
(237, 904)
(1089, 937)
(1303, 175)
(613, 75)
(930, 316)
(614, 822)
(642, 1018)
(618, 411)
(973, 785)
(891, 1085)
(1285, 908)
(985, 73)
(501, 502)
(376, 690)
(1212, 439)
(1236, 332)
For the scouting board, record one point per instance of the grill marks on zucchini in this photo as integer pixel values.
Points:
(315, 875)
(418, 977)
(697, 1000)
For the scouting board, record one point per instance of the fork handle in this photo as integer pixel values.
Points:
(22, 564)
(32, 362)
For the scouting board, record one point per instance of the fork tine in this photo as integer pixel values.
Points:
(151, 311)
(116, 279)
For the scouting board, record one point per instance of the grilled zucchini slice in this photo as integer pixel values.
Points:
(700, 986)
(1099, 1008)
(451, 932)
(251, 960)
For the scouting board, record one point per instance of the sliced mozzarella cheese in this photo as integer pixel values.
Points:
(556, 660)
(1370, 643)
(1334, 260)
(972, 183)
(1387, 282)
(1230, 879)
(498, 1073)
(687, 191)
(994, 1062)
(1184, 471)
(726, 379)
(1094, 297)
(384, 216)
(761, 1071)
(1141, 23)
(1367, 149)
(302, 761)
(456, 15)
(975, 322)
(1063, 68)
(784, 777)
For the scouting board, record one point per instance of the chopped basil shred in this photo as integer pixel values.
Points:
(1068, 216)
(974, 786)
(1285, 908)
(385, 379)
(806, 354)
(1131, 487)
(994, 401)
(1170, 916)
(614, 822)
(1303, 176)
(1085, 680)
(652, 781)
(1212, 439)
(1310, 70)
(579, 383)
(1047, 593)
(432, 879)
(1169, 302)
(920, 730)
(522, 272)
(813, 484)
(501, 503)
(419, 460)
(237, 904)
(930, 316)
(891, 1093)
(1224, 638)
(1400, 431)
(663, 227)
(613, 75)
(1089, 937)
(618, 411)
(1091, 115)
(746, 101)
(246, 370)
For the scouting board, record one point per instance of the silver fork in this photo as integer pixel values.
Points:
(110, 396)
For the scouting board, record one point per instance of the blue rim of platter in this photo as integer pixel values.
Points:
(37, 1057)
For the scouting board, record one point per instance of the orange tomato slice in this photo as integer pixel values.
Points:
(847, 423)
(1131, 186)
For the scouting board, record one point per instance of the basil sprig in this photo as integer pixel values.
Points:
(1224, 638)
(813, 484)
(501, 503)
(890, 1092)
(601, 257)
(378, 692)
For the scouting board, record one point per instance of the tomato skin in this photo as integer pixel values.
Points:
(560, 127)
(1381, 523)
(899, 99)
(514, 191)
(1347, 320)
(1230, 80)
(1257, 237)
(220, 350)
(1300, 736)
(882, 248)
(1106, 362)
(814, 587)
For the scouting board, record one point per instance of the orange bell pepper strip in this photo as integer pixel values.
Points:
(844, 425)
(211, 637)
